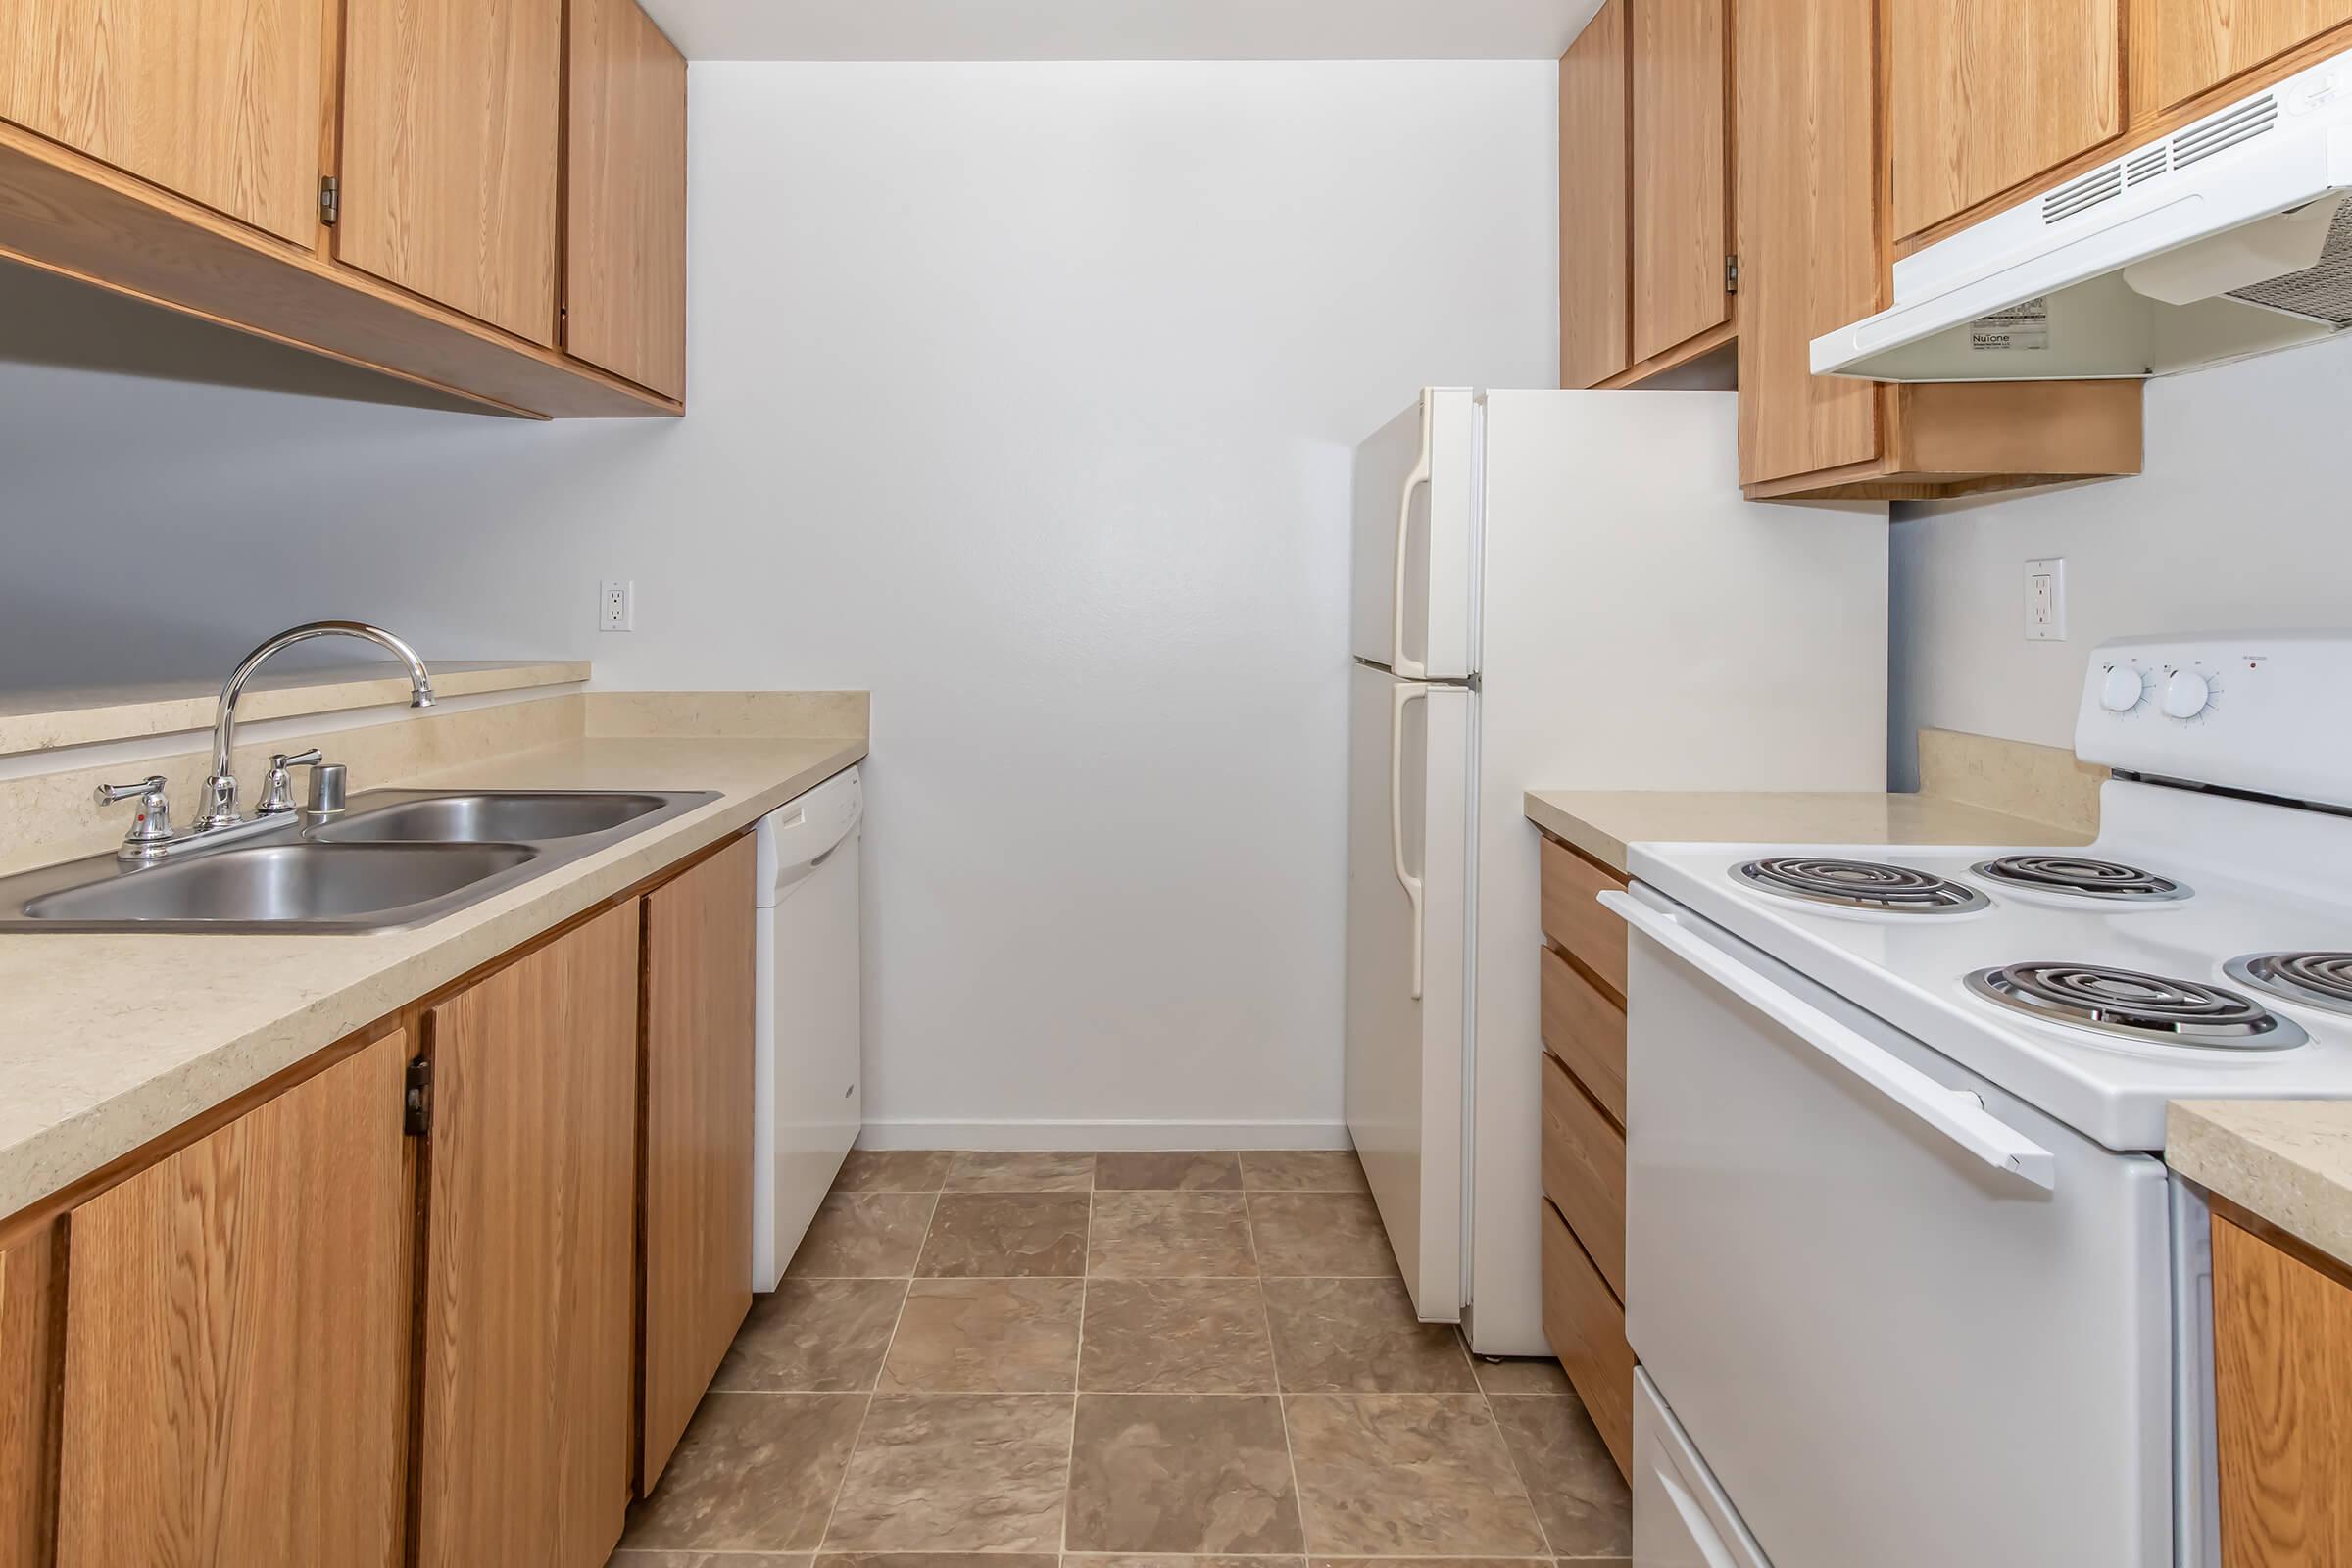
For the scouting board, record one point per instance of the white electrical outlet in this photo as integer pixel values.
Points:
(616, 606)
(2046, 599)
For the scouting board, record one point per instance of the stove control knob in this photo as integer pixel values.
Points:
(2121, 690)
(2187, 694)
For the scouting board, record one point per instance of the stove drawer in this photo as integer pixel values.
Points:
(1573, 916)
(1586, 1329)
(1584, 1171)
(1585, 1030)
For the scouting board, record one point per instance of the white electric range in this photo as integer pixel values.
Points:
(1907, 1277)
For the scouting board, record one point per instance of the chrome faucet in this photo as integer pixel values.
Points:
(151, 837)
(221, 790)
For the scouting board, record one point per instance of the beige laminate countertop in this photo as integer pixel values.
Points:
(106, 1042)
(2288, 1161)
(1602, 822)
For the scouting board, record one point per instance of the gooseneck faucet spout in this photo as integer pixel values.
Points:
(221, 790)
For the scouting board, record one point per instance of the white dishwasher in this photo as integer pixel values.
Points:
(806, 1098)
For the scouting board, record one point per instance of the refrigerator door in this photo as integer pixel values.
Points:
(1408, 830)
(1416, 506)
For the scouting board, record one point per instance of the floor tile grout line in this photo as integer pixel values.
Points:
(1494, 1419)
(1069, 1458)
(875, 1393)
(1281, 1408)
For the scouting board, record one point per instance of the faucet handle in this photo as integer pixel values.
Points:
(277, 790)
(153, 825)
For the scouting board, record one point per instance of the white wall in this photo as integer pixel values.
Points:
(1021, 394)
(2240, 520)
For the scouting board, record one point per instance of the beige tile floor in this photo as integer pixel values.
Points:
(1110, 1361)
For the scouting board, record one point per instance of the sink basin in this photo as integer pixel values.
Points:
(395, 860)
(280, 885)
(489, 818)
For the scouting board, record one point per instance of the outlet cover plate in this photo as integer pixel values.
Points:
(2046, 599)
(616, 606)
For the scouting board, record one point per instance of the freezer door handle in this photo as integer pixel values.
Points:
(1956, 1113)
(1399, 697)
(1414, 482)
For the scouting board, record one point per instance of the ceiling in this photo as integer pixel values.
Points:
(1121, 29)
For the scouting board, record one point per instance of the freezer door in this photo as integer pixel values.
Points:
(1415, 501)
(1407, 843)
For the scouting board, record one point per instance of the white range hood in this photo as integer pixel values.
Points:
(2229, 238)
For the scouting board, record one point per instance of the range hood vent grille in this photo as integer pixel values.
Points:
(2322, 293)
(2226, 130)
(2100, 186)
(2144, 167)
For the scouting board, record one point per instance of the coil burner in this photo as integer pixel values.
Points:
(1859, 885)
(2127, 1004)
(2082, 877)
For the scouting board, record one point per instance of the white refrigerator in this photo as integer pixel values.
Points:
(1553, 590)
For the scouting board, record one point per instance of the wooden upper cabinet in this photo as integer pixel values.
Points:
(216, 100)
(624, 251)
(2282, 1392)
(1808, 232)
(523, 1452)
(1595, 202)
(699, 968)
(1987, 94)
(2187, 47)
(449, 135)
(1681, 171)
(237, 1331)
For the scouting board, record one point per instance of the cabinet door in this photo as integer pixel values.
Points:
(699, 931)
(217, 100)
(624, 250)
(237, 1323)
(1681, 198)
(450, 128)
(1988, 93)
(30, 1321)
(2195, 45)
(529, 1248)
(2282, 1387)
(1596, 212)
(1808, 230)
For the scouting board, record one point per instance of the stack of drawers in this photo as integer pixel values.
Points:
(1583, 1141)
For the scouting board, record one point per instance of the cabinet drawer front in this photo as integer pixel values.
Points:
(1572, 917)
(1587, 1330)
(1585, 1030)
(1584, 1171)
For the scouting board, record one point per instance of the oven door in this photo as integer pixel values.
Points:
(1902, 1316)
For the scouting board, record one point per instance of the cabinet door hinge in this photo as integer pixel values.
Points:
(330, 199)
(1731, 274)
(419, 1118)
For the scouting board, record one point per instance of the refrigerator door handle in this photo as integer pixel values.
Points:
(1398, 698)
(1956, 1113)
(1414, 482)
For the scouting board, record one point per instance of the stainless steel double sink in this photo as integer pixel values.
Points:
(396, 860)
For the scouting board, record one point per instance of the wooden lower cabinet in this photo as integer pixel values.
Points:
(530, 1178)
(32, 1323)
(237, 1331)
(2283, 1384)
(1586, 1326)
(699, 933)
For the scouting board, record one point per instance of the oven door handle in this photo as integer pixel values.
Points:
(1956, 1113)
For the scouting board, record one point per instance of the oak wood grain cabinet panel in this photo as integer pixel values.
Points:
(624, 251)
(1810, 251)
(1596, 202)
(699, 933)
(1985, 95)
(1573, 916)
(31, 1347)
(219, 100)
(1584, 1171)
(449, 133)
(2282, 1383)
(2196, 45)
(237, 1334)
(1585, 1030)
(529, 1252)
(1586, 1326)
(1681, 175)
